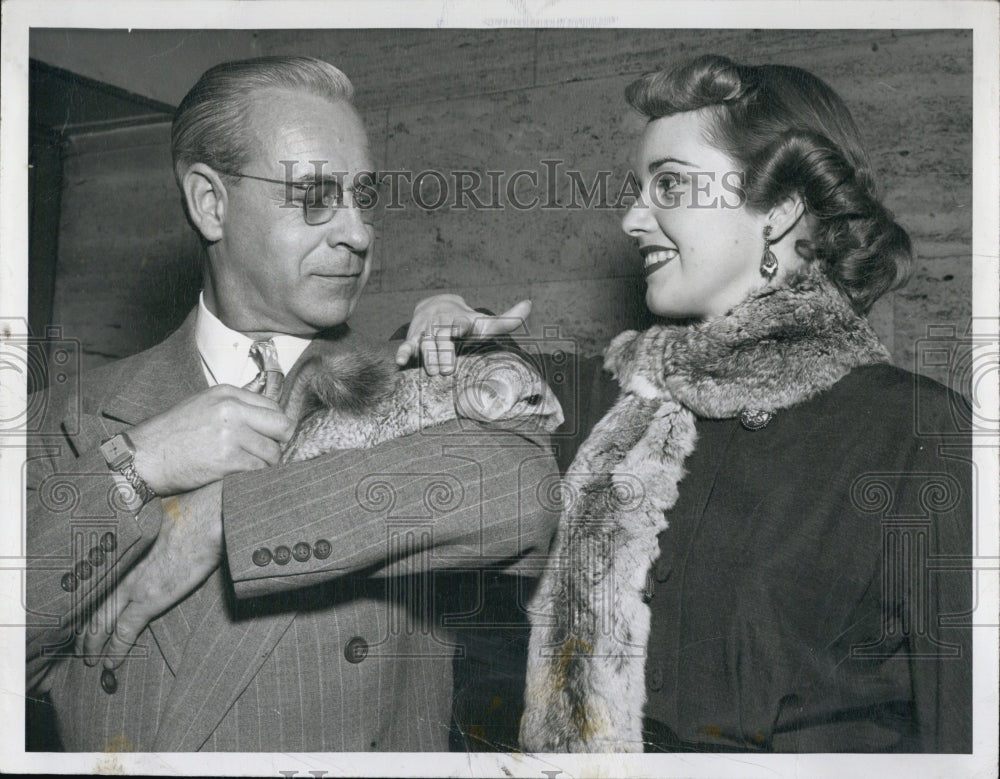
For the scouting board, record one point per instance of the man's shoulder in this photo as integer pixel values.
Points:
(98, 383)
(95, 386)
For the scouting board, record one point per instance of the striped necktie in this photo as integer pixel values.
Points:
(268, 381)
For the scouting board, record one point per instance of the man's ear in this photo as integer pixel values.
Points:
(785, 215)
(206, 199)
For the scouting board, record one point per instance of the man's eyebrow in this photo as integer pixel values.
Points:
(311, 178)
(658, 163)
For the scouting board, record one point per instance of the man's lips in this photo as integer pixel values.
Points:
(337, 274)
(655, 257)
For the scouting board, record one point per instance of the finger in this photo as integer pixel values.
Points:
(251, 398)
(79, 638)
(264, 451)
(102, 623)
(406, 351)
(130, 624)
(460, 327)
(444, 347)
(271, 423)
(507, 322)
(428, 354)
(256, 384)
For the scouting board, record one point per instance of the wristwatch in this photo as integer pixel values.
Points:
(119, 453)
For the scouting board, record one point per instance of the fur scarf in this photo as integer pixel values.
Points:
(586, 663)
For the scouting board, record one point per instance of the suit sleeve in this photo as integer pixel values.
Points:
(80, 535)
(448, 497)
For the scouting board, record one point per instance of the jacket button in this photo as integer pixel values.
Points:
(83, 570)
(356, 650)
(69, 582)
(108, 542)
(663, 570)
(282, 554)
(261, 556)
(96, 557)
(322, 549)
(108, 681)
(301, 551)
(655, 679)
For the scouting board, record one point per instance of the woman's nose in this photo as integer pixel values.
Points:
(638, 218)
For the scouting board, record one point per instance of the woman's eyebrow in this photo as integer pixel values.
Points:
(664, 160)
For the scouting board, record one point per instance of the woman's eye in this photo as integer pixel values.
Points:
(667, 181)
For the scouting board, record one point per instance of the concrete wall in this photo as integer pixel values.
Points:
(506, 100)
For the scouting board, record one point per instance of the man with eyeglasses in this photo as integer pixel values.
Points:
(291, 607)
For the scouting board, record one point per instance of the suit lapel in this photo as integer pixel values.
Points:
(156, 380)
(224, 642)
(222, 656)
(159, 378)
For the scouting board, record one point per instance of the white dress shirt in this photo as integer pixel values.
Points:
(225, 353)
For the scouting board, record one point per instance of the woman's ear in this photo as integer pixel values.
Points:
(206, 199)
(785, 215)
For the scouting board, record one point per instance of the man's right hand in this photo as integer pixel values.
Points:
(219, 431)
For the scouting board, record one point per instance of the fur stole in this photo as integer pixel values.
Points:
(586, 662)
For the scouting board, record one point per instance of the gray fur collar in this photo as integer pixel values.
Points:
(586, 664)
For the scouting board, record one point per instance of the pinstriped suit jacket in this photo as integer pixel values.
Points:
(343, 653)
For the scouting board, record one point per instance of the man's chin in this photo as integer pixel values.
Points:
(323, 316)
(329, 300)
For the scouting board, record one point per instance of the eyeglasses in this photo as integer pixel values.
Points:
(321, 199)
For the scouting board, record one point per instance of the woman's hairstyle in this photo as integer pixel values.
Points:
(791, 133)
(211, 125)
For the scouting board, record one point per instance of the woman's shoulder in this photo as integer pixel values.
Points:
(893, 396)
(890, 387)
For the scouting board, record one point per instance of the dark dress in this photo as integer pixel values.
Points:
(813, 588)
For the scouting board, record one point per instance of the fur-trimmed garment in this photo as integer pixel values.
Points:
(590, 626)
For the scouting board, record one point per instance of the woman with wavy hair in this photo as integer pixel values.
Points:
(746, 554)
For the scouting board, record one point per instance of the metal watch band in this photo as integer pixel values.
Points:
(119, 452)
(143, 490)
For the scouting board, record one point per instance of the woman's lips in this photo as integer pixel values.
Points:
(655, 257)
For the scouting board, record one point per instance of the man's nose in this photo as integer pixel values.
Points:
(347, 227)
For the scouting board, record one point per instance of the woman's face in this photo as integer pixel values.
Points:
(701, 247)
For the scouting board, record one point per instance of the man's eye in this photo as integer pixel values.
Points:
(326, 194)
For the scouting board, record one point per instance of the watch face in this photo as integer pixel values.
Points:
(117, 451)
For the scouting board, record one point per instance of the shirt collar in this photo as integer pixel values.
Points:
(225, 353)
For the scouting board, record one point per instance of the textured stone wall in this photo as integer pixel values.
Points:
(507, 100)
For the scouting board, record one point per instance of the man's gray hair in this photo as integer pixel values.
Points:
(211, 125)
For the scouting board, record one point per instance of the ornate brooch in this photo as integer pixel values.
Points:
(755, 419)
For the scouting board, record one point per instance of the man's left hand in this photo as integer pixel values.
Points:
(185, 553)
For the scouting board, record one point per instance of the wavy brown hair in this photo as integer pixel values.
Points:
(790, 133)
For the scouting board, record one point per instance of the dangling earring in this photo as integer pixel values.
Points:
(768, 262)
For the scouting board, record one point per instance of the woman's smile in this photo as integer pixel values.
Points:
(655, 257)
